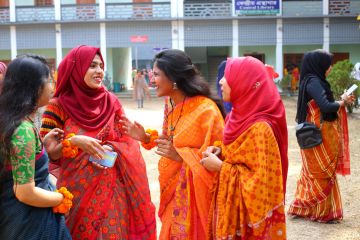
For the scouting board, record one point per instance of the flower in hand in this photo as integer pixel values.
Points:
(153, 135)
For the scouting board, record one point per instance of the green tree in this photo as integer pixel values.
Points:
(340, 79)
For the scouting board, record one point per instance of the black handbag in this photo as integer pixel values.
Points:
(308, 135)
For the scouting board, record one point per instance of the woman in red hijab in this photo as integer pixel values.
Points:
(252, 159)
(109, 203)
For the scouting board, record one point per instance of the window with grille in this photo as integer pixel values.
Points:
(44, 2)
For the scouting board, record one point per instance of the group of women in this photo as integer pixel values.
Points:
(221, 176)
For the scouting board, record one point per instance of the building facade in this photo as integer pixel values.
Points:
(130, 32)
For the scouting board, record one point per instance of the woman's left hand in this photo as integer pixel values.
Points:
(211, 162)
(166, 149)
(349, 100)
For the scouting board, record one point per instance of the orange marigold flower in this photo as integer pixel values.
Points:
(217, 143)
(68, 150)
(153, 136)
(66, 203)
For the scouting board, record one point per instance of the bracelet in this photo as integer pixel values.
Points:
(68, 150)
(66, 203)
(153, 136)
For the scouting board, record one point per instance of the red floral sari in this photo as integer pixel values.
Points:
(108, 204)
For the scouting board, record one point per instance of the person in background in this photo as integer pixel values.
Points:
(2, 73)
(140, 89)
(27, 197)
(109, 202)
(317, 194)
(193, 120)
(295, 75)
(252, 163)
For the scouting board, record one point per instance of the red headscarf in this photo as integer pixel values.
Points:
(254, 98)
(88, 107)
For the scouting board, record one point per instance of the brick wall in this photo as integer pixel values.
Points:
(339, 7)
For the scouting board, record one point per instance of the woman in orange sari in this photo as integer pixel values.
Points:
(252, 159)
(193, 121)
(317, 195)
(109, 203)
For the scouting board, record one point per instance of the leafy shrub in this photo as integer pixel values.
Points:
(340, 79)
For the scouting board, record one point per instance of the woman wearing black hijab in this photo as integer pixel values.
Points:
(317, 195)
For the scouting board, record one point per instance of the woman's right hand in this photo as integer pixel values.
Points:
(214, 150)
(89, 145)
(134, 129)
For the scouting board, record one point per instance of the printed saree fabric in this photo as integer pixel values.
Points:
(19, 220)
(185, 187)
(112, 203)
(249, 199)
(317, 194)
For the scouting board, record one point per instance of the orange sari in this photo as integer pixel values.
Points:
(249, 202)
(185, 187)
(317, 195)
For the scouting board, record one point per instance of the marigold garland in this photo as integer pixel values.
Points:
(153, 136)
(68, 150)
(218, 144)
(66, 203)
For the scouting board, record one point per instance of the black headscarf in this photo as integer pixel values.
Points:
(313, 66)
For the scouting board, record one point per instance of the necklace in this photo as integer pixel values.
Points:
(172, 127)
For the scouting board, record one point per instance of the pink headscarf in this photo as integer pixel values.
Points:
(2, 67)
(2, 71)
(254, 98)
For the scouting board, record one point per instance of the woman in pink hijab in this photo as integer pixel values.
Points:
(2, 73)
(252, 161)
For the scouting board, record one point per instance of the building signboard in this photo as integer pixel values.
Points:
(257, 7)
(139, 39)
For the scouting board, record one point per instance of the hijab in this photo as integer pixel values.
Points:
(220, 75)
(2, 67)
(254, 98)
(88, 107)
(313, 66)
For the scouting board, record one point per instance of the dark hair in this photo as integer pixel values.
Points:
(178, 67)
(23, 83)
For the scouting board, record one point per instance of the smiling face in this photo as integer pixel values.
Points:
(225, 89)
(95, 74)
(164, 86)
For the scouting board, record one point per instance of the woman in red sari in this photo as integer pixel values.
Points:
(109, 203)
(317, 194)
(249, 199)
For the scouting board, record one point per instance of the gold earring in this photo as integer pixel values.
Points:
(174, 86)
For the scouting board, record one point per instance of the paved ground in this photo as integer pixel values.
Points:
(151, 117)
